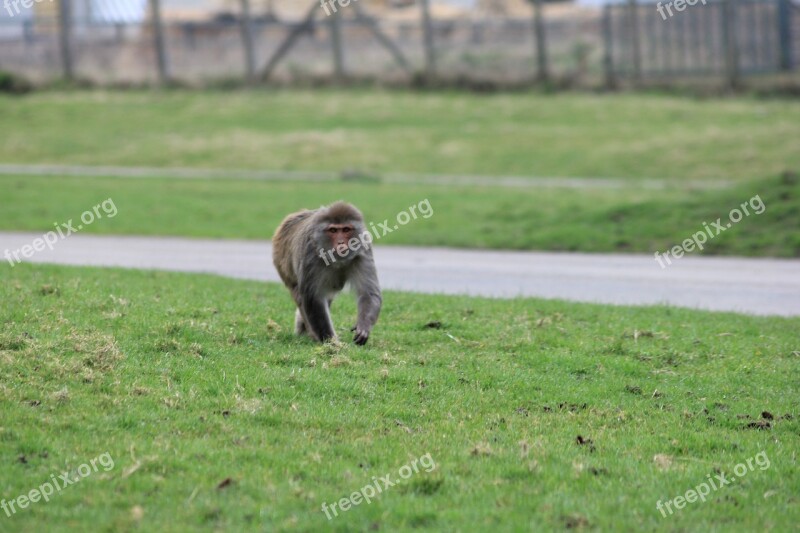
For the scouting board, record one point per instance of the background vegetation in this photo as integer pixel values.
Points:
(526, 134)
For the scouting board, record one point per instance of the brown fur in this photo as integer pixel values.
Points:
(341, 212)
(313, 281)
(285, 241)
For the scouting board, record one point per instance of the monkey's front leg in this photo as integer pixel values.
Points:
(369, 307)
(318, 319)
(299, 323)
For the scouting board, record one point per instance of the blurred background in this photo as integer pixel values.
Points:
(479, 43)
(557, 126)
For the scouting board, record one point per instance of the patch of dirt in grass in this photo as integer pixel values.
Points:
(12, 343)
(765, 422)
(99, 351)
(425, 486)
(583, 441)
(225, 483)
(249, 405)
(570, 407)
(575, 521)
(758, 424)
(663, 461)
(481, 449)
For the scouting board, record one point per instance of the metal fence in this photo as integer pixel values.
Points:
(723, 38)
(133, 41)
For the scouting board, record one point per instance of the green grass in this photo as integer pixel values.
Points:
(187, 381)
(624, 220)
(628, 136)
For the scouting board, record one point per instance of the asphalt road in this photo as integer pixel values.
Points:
(329, 176)
(753, 286)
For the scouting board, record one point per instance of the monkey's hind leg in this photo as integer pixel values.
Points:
(299, 323)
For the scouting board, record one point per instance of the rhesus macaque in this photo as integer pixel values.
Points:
(316, 253)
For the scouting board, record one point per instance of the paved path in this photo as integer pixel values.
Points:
(755, 286)
(329, 176)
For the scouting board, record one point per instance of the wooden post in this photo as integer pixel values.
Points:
(427, 29)
(119, 33)
(28, 31)
(608, 55)
(542, 70)
(158, 41)
(636, 43)
(695, 33)
(681, 48)
(65, 38)
(731, 43)
(711, 40)
(247, 42)
(652, 48)
(784, 15)
(335, 20)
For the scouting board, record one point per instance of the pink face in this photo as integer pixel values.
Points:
(340, 234)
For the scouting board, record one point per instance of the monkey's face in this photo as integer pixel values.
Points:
(340, 235)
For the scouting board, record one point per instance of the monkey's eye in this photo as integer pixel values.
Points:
(331, 230)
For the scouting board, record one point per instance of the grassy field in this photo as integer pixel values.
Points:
(626, 136)
(624, 220)
(537, 414)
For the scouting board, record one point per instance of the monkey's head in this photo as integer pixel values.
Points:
(339, 230)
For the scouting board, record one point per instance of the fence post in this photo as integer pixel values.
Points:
(158, 41)
(784, 14)
(427, 29)
(608, 56)
(247, 41)
(729, 35)
(335, 21)
(28, 30)
(65, 38)
(542, 71)
(636, 43)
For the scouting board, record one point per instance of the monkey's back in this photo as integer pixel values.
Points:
(286, 242)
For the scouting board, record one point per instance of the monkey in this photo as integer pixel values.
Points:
(316, 253)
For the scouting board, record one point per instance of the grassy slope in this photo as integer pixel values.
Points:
(634, 220)
(189, 377)
(635, 136)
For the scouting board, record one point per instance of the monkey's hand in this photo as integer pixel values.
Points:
(361, 336)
